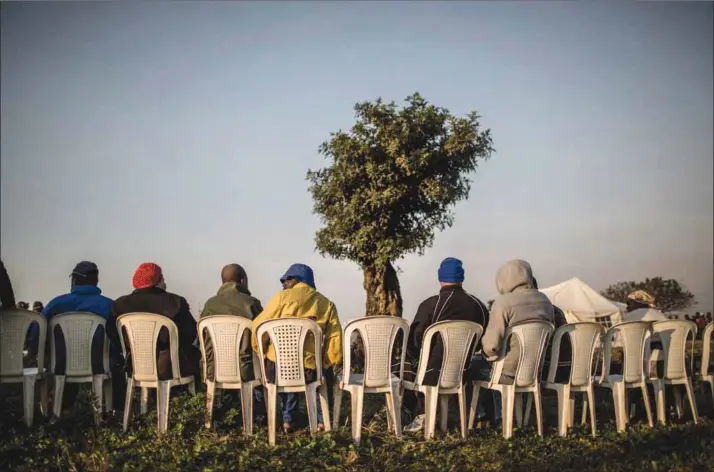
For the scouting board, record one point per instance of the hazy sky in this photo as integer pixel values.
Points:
(181, 133)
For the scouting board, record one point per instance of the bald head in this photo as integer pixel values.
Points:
(234, 273)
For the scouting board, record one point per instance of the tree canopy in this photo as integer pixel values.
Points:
(393, 177)
(669, 294)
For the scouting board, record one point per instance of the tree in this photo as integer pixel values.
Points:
(669, 294)
(391, 181)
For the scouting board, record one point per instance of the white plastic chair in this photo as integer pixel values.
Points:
(142, 332)
(288, 335)
(14, 325)
(533, 338)
(78, 330)
(584, 337)
(704, 376)
(634, 337)
(226, 333)
(379, 334)
(674, 334)
(458, 339)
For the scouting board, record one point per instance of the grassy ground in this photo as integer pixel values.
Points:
(74, 443)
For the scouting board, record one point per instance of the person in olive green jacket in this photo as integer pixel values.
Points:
(300, 299)
(233, 298)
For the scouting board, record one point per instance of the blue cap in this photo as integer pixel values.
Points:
(451, 271)
(301, 273)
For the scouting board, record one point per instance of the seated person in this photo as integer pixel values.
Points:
(150, 296)
(300, 299)
(452, 303)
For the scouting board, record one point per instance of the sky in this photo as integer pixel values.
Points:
(181, 133)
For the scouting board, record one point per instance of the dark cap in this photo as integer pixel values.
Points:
(85, 269)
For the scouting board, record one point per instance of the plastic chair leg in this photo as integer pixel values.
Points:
(272, 404)
(311, 403)
(192, 387)
(508, 395)
(98, 387)
(396, 409)
(474, 405)
(539, 410)
(591, 402)
(337, 395)
(127, 402)
(618, 394)
(462, 412)
(443, 412)
(246, 403)
(357, 398)
(210, 398)
(28, 393)
(678, 403)
(58, 394)
(660, 400)
(563, 392)
(431, 405)
(646, 401)
(324, 406)
(44, 401)
(692, 400)
(145, 400)
(162, 403)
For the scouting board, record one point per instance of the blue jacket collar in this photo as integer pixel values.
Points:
(86, 290)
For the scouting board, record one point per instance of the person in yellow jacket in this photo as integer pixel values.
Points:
(300, 299)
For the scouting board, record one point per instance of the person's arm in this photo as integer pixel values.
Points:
(417, 328)
(7, 295)
(112, 331)
(495, 331)
(332, 351)
(271, 311)
(255, 308)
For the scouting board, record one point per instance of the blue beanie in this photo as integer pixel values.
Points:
(301, 273)
(451, 271)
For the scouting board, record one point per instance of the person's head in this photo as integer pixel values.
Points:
(85, 273)
(515, 274)
(639, 299)
(234, 273)
(23, 306)
(37, 307)
(451, 272)
(297, 273)
(148, 275)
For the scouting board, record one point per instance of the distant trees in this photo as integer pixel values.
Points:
(391, 181)
(669, 294)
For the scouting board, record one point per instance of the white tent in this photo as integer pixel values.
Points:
(580, 302)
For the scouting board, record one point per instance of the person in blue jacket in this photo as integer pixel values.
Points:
(84, 296)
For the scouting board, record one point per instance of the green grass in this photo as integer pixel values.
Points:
(74, 443)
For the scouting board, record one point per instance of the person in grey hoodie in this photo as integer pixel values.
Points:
(519, 301)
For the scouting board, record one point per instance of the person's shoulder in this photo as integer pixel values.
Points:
(429, 301)
(474, 299)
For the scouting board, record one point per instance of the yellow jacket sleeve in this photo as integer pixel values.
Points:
(333, 339)
(270, 312)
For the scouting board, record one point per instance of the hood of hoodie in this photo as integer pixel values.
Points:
(301, 273)
(514, 274)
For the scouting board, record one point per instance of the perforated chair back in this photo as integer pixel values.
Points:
(78, 329)
(142, 332)
(379, 334)
(226, 333)
(14, 326)
(458, 338)
(288, 336)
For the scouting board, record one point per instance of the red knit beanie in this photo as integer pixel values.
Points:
(147, 275)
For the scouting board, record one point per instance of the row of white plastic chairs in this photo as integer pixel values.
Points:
(379, 335)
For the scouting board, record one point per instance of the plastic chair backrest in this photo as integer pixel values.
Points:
(288, 336)
(378, 334)
(142, 332)
(78, 329)
(532, 337)
(226, 333)
(634, 336)
(584, 338)
(458, 339)
(707, 347)
(14, 325)
(674, 334)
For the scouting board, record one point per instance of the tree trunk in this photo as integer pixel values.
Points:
(382, 287)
